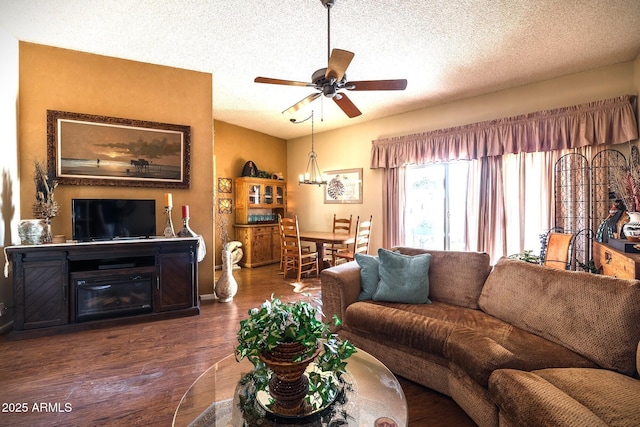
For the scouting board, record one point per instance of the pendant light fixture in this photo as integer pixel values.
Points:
(312, 175)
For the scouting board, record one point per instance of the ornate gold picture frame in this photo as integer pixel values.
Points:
(85, 149)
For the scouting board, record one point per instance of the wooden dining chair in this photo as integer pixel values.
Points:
(360, 244)
(304, 247)
(340, 225)
(558, 250)
(281, 234)
(293, 258)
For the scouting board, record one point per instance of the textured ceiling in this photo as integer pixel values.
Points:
(447, 50)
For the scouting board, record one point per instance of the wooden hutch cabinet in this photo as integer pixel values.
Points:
(258, 202)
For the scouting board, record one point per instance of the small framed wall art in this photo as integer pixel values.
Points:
(343, 186)
(225, 205)
(224, 185)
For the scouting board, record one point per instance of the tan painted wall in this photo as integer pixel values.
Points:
(60, 79)
(350, 147)
(235, 146)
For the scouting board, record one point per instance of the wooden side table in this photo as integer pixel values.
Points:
(614, 262)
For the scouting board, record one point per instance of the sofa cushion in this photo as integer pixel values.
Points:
(479, 351)
(476, 342)
(570, 396)
(455, 277)
(403, 278)
(594, 315)
(369, 275)
(425, 327)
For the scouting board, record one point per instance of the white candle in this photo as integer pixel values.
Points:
(168, 199)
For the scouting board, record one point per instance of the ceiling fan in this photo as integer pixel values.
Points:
(331, 81)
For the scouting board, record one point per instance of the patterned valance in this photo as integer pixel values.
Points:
(610, 121)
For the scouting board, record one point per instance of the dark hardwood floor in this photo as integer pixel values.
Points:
(136, 374)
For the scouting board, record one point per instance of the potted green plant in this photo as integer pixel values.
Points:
(299, 323)
(526, 256)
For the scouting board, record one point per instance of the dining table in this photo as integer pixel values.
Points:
(321, 238)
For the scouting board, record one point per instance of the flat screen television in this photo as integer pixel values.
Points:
(109, 219)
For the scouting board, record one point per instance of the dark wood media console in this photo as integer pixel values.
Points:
(74, 286)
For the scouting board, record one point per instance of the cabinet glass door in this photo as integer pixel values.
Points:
(254, 195)
(279, 195)
(268, 194)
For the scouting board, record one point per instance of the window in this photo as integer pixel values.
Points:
(500, 206)
(435, 205)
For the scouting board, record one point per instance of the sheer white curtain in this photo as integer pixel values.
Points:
(509, 203)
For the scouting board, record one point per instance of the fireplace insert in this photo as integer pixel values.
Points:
(101, 296)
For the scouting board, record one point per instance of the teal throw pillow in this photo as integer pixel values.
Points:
(403, 278)
(369, 277)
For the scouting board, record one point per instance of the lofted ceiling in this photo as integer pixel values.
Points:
(447, 50)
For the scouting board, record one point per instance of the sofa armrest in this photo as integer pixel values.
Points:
(565, 396)
(340, 287)
(526, 400)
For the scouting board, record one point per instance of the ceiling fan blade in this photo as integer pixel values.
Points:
(281, 82)
(399, 84)
(299, 105)
(346, 105)
(338, 63)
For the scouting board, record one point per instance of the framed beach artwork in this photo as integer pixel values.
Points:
(343, 186)
(84, 149)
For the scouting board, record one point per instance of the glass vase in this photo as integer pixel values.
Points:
(47, 237)
(168, 223)
(186, 231)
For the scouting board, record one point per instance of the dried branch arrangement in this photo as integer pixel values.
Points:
(45, 206)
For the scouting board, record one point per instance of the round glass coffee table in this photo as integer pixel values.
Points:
(375, 397)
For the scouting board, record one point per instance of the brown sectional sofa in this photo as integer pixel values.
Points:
(514, 345)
